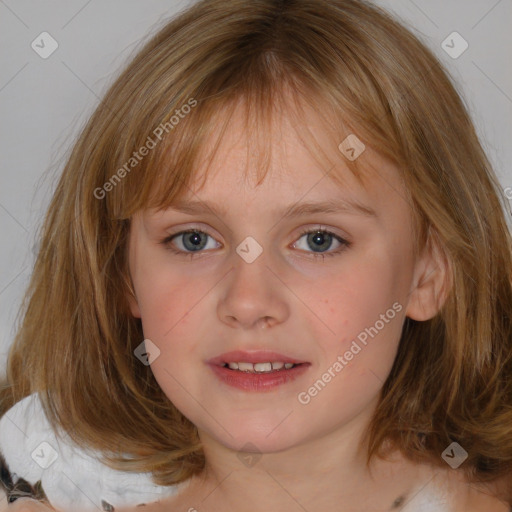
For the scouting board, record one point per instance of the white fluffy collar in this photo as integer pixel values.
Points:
(69, 477)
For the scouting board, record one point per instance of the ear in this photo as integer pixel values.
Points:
(431, 281)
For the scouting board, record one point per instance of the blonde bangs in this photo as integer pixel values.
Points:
(168, 171)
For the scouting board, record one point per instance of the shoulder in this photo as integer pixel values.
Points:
(481, 499)
(438, 489)
(468, 496)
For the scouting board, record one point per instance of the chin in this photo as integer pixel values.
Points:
(250, 438)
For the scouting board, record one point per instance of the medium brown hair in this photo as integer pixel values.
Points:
(367, 74)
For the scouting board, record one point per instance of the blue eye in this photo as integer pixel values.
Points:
(192, 241)
(320, 239)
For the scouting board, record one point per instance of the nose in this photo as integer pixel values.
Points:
(253, 296)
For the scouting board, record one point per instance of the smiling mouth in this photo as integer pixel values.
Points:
(269, 367)
(264, 372)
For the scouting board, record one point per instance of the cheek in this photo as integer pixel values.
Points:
(355, 297)
(166, 293)
(167, 303)
(362, 309)
(170, 313)
(175, 311)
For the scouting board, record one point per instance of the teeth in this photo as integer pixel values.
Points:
(263, 367)
(259, 367)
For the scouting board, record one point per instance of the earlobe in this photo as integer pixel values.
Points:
(431, 283)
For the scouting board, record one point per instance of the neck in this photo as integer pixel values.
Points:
(319, 474)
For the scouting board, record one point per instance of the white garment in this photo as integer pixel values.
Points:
(71, 478)
(428, 499)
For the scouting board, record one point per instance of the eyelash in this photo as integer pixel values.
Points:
(345, 244)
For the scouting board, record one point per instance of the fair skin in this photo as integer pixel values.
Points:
(288, 301)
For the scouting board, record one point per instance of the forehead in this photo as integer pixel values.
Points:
(298, 154)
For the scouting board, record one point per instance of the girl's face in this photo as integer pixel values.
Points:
(254, 279)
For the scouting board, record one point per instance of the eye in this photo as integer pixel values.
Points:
(188, 242)
(320, 240)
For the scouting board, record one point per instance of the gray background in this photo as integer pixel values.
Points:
(44, 102)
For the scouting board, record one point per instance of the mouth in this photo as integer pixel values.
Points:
(267, 367)
(257, 371)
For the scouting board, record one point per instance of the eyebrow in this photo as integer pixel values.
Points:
(295, 210)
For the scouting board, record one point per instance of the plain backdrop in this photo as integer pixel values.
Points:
(44, 102)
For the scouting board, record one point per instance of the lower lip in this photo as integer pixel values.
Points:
(247, 381)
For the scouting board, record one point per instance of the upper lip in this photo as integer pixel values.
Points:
(257, 356)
